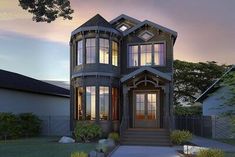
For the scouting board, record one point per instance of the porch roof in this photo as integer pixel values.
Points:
(165, 76)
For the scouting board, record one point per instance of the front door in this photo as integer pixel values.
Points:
(146, 110)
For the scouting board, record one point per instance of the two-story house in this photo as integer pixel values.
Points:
(121, 76)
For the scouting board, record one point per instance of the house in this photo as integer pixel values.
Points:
(22, 94)
(121, 75)
(213, 102)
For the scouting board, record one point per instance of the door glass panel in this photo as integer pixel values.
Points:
(151, 106)
(140, 106)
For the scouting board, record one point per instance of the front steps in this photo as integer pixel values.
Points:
(146, 137)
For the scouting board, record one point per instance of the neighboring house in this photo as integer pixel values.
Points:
(211, 100)
(21, 94)
(121, 75)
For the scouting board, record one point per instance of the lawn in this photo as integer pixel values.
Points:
(41, 147)
(228, 141)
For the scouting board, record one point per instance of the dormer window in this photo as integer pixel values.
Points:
(146, 35)
(123, 27)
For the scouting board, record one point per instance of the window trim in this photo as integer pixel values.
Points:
(146, 43)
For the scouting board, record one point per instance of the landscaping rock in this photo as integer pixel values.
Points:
(109, 143)
(193, 149)
(66, 139)
(96, 154)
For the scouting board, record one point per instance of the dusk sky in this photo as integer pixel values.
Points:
(206, 32)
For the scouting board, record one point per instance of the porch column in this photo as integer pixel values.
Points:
(166, 117)
(125, 104)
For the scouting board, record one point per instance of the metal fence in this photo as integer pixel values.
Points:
(205, 126)
(55, 125)
(198, 125)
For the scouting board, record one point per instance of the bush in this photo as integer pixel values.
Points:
(114, 136)
(210, 153)
(9, 126)
(30, 124)
(79, 154)
(179, 137)
(86, 131)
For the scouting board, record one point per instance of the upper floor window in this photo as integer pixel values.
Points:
(91, 50)
(150, 55)
(133, 56)
(104, 103)
(145, 55)
(114, 53)
(159, 58)
(104, 51)
(79, 52)
(90, 102)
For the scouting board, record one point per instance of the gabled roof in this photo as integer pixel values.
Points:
(14, 81)
(205, 94)
(94, 23)
(148, 69)
(146, 22)
(123, 16)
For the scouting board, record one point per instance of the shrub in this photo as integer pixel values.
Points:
(179, 137)
(114, 136)
(30, 124)
(210, 153)
(9, 126)
(86, 131)
(79, 154)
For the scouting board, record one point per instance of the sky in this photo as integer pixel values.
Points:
(206, 32)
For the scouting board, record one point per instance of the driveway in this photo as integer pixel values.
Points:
(145, 151)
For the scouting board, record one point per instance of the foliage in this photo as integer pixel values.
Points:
(114, 136)
(47, 10)
(30, 124)
(188, 111)
(9, 126)
(15, 126)
(210, 153)
(86, 131)
(180, 137)
(79, 154)
(191, 79)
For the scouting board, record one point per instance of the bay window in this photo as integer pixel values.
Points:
(79, 52)
(104, 50)
(115, 109)
(91, 50)
(90, 102)
(114, 53)
(104, 102)
(79, 102)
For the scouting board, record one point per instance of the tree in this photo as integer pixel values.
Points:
(191, 79)
(47, 10)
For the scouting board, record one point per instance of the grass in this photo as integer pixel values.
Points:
(229, 154)
(228, 141)
(41, 147)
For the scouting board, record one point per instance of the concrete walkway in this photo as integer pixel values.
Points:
(204, 142)
(145, 151)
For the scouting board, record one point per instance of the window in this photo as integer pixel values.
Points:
(90, 102)
(91, 50)
(115, 108)
(159, 58)
(146, 55)
(133, 56)
(78, 107)
(104, 51)
(114, 53)
(123, 28)
(104, 103)
(79, 52)
(150, 55)
(151, 106)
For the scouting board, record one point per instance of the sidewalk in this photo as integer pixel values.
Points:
(204, 142)
(145, 151)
